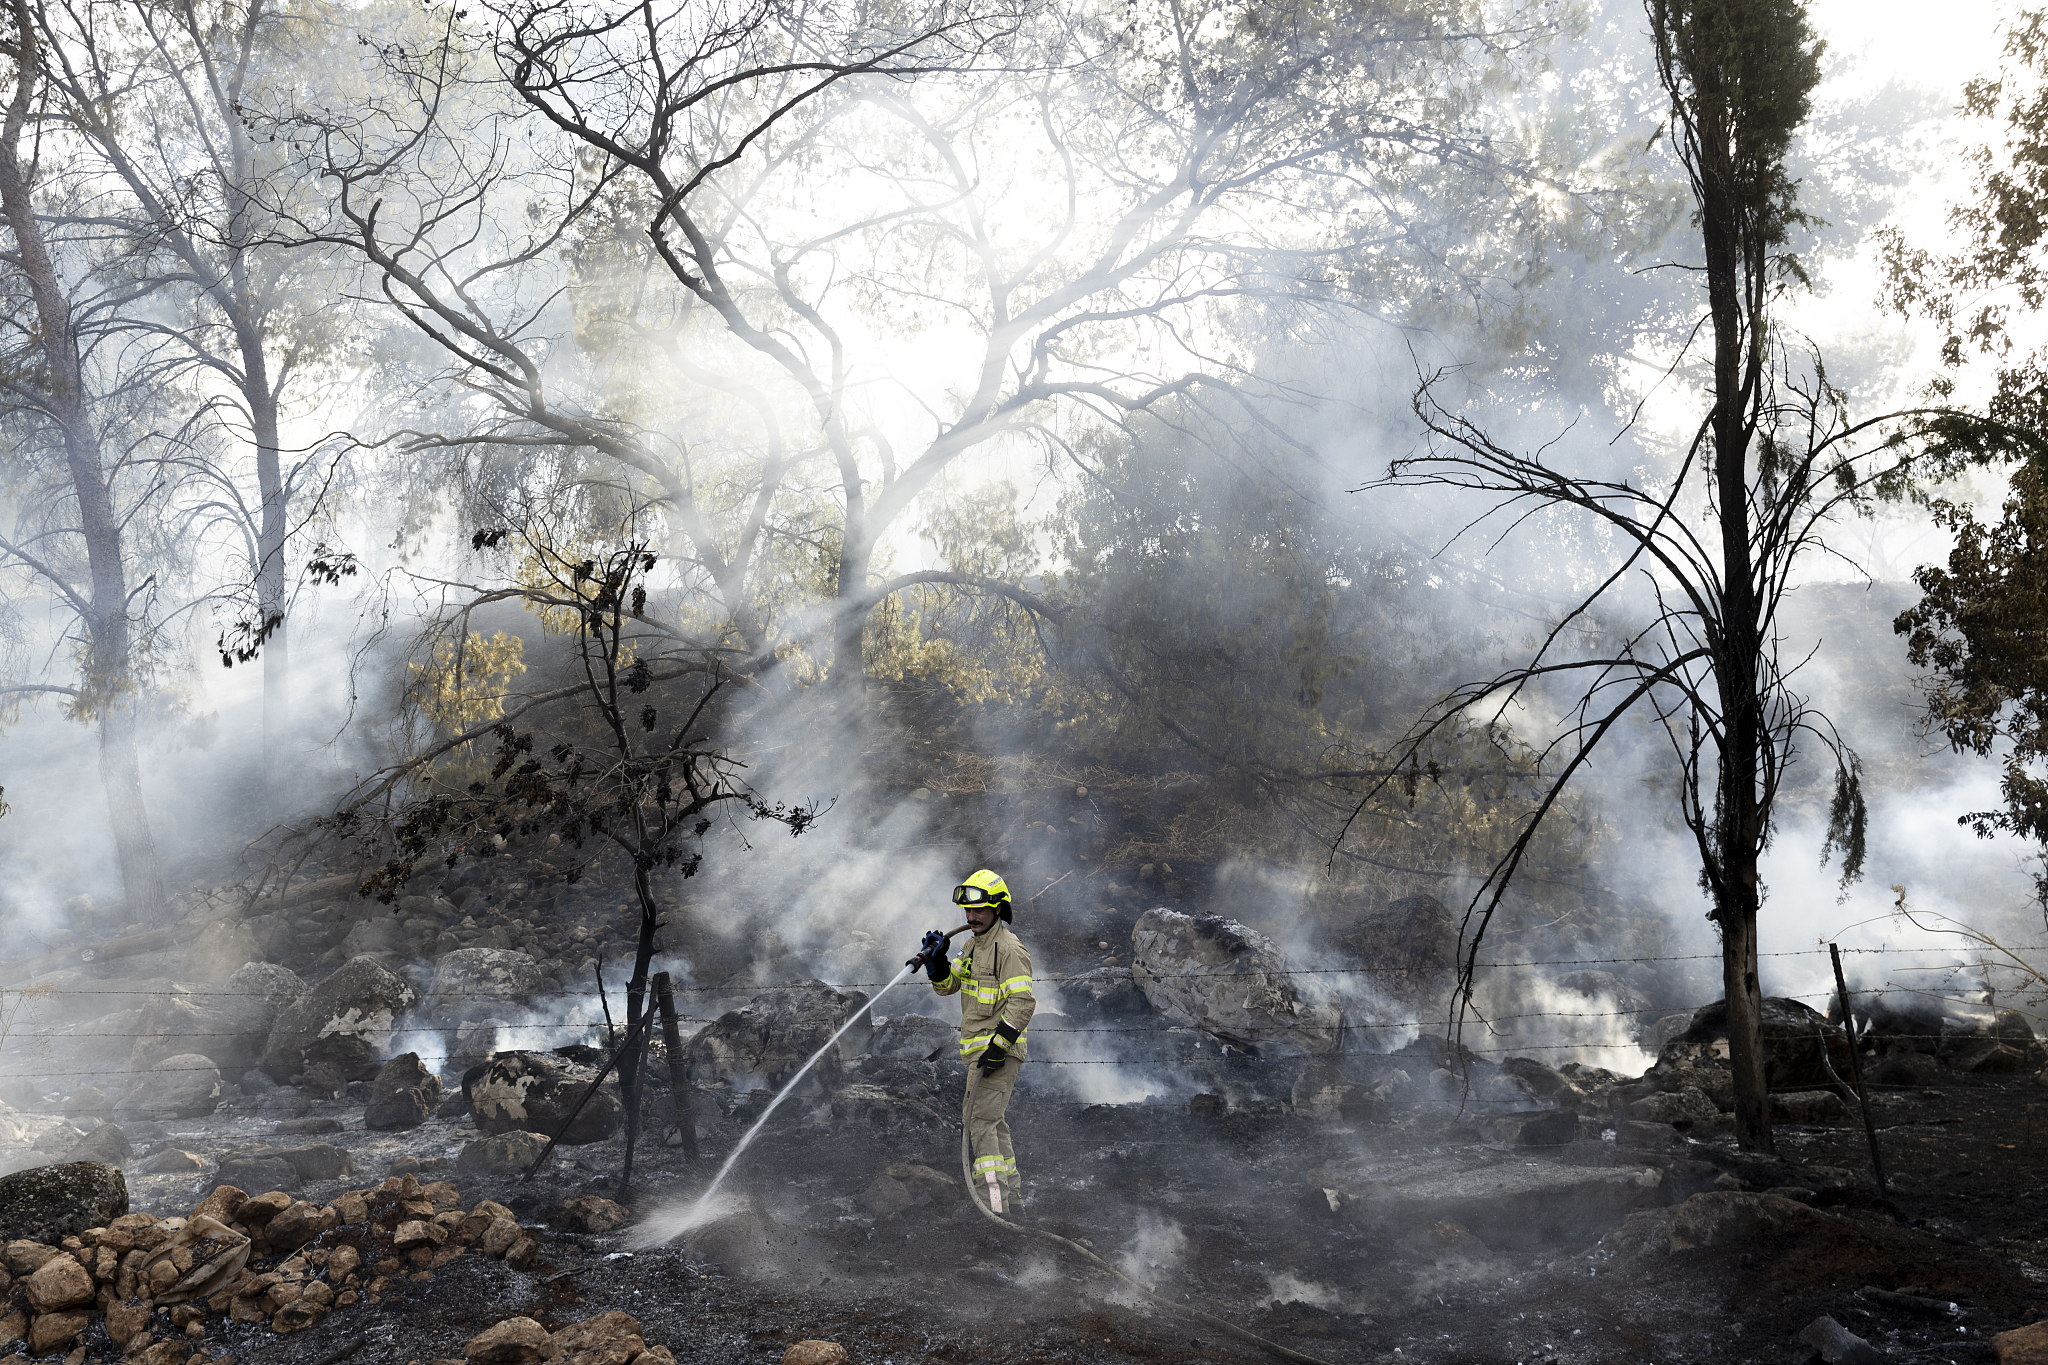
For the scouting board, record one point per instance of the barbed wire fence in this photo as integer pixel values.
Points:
(13, 1000)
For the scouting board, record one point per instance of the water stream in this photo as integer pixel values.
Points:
(673, 1221)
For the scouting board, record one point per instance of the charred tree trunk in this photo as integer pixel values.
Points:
(1740, 74)
(631, 1070)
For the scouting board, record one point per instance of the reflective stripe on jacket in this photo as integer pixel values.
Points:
(993, 981)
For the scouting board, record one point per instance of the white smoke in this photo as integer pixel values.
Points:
(1156, 1247)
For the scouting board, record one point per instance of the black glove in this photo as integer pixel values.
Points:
(933, 955)
(998, 1051)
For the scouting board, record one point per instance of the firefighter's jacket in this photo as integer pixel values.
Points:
(993, 980)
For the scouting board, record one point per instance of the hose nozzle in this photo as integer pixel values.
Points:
(949, 936)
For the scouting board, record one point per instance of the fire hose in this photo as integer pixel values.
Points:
(1209, 1320)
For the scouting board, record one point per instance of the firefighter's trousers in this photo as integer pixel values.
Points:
(992, 1161)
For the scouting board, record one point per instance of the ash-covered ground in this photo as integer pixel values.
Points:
(1414, 1232)
(1391, 1199)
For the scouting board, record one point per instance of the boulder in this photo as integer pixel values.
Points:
(1543, 1083)
(815, 1353)
(505, 1154)
(339, 1030)
(25, 1256)
(258, 1210)
(319, 1161)
(885, 1197)
(592, 1334)
(404, 1094)
(308, 1127)
(913, 1037)
(1229, 981)
(1988, 1057)
(257, 1168)
(470, 983)
(225, 1202)
(515, 1341)
(61, 1283)
(1558, 1128)
(2023, 1345)
(299, 1224)
(764, 1042)
(52, 1332)
(588, 1213)
(1835, 1344)
(50, 1203)
(272, 987)
(231, 1026)
(499, 1235)
(1686, 1106)
(87, 1102)
(106, 1143)
(126, 1317)
(379, 936)
(179, 1022)
(99, 1045)
(1105, 991)
(535, 1091)
(1731, 1218)
(1897, 1022)
(476, 1041)
(173, 1161)
(186, 1086)
(265, 1167)
(1790, 1034)
(1808, 1106)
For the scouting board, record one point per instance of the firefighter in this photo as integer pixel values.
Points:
(993, 981)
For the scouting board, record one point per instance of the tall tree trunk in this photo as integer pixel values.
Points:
(270, 571)
(121, 776)
(850, 576)
(109, 685)
(1738, 888)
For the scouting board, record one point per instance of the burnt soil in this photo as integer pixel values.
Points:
(810, 1255)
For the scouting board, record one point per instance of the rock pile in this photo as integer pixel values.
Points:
(1911, 1034)
(612, 1338)
(238, 1258)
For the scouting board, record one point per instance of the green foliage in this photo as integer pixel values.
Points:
(979, 646)
(2000, 274)
(1980, 620)
(1741, 75)
(1979, 626)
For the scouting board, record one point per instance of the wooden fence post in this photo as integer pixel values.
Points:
(678, 1073)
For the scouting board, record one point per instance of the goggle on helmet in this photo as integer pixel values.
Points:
(984, 888)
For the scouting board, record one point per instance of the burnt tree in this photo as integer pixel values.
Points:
(619, 762)
(1710, 544)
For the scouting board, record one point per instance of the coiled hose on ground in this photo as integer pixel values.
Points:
(1209, 1320)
